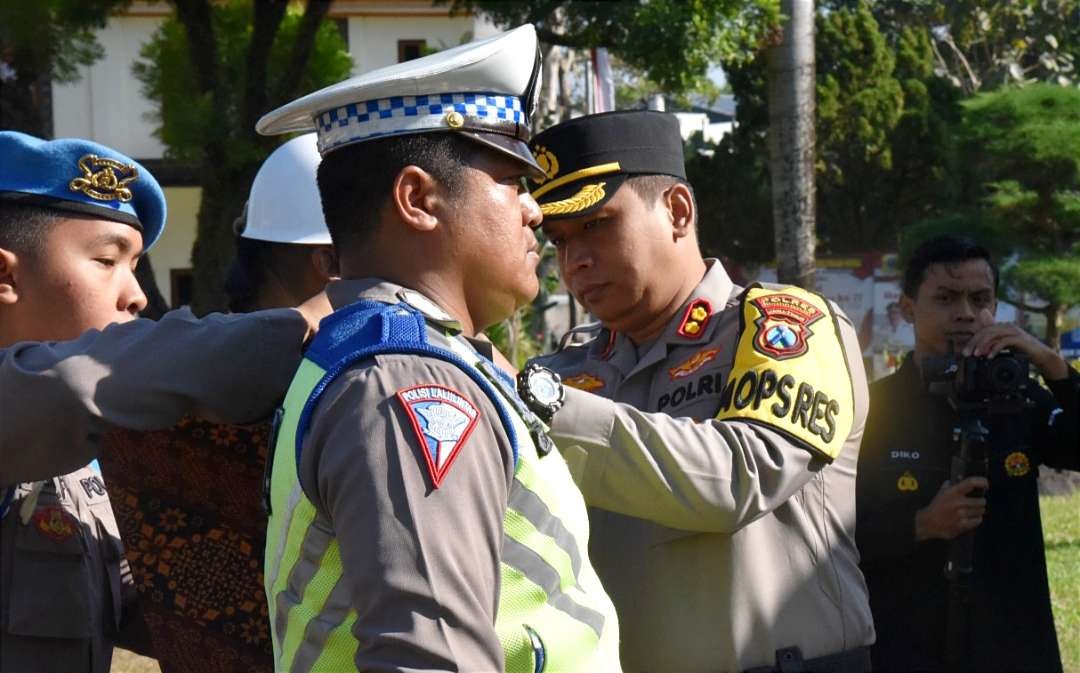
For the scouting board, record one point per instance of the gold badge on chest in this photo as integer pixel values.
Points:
(584, 381)
(907, 482)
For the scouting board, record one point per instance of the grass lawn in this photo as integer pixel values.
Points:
(1061, 529)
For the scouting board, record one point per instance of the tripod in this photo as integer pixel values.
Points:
(969, 460)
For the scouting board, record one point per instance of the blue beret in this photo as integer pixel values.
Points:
(81, 176)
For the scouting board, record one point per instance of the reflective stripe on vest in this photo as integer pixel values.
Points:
(553, 613)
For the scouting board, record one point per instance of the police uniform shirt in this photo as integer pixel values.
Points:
(719, 542)
(422, 564)
(55, 398)
(905, 459)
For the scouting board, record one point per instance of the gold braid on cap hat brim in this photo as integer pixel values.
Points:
(587, 196)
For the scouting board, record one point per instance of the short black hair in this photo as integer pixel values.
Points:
(23, 227)
(355, 180)
(946, 249)
(650, 187)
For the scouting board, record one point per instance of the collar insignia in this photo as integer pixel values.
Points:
(783, 326)
(694, 363)
(429, 308)
(443, 419)
(1017, 464)
(907, 482)
(104, 179)
(695, 319)
(583, 381)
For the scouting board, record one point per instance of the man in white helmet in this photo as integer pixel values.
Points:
(283, 250)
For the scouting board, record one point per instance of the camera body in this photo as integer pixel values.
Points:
(994, 386)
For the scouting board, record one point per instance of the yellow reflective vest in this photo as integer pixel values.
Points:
(553, 614)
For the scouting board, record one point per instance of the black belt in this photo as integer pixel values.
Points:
(790, 660)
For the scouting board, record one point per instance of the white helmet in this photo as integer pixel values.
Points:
(284, 204)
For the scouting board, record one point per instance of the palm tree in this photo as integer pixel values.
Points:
(791, 143)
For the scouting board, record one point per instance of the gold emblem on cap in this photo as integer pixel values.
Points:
(587, 196)
(454, 119)
(547, 163)
(104, 179)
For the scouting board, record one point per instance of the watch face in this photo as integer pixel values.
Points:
(544, 388)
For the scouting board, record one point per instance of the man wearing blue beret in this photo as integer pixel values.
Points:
(75, 217)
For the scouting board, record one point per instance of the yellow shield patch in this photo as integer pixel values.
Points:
(787, 376)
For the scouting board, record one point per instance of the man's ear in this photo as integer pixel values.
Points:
(680, 203)
(325, 262)
(907, 308)
(9, 263)
(416, 197)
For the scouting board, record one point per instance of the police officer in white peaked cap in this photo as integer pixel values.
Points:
(419, 519)
(283, 251)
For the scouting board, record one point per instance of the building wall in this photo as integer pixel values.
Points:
(173, 249)
(106, 104)
(373, 39)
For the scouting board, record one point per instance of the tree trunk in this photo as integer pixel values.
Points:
(1055, 318)
(791, 143)
(222, 201)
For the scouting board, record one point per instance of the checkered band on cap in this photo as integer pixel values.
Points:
(411, 114)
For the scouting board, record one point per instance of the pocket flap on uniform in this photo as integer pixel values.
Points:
(50, 595)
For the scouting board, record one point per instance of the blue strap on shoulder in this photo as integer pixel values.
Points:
(368, 328)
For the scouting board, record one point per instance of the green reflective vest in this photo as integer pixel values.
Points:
(553, 614)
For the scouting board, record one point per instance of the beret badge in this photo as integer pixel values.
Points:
(104, 179)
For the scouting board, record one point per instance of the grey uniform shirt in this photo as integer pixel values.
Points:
(421, 564)
(719, 542)
(56, 397)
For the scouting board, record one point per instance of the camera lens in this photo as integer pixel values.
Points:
(1006, 374)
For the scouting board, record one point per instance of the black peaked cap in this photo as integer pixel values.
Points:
(586, 160)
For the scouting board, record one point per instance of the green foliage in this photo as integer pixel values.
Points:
(42, 40)
(1020, 149)
(984, 44)
(187, 117)
(882, 144)
(212, 69)
(1018, 177)
(673, 42)
(53, 37)
(854, 130)
(975, 225)
(1051, 278)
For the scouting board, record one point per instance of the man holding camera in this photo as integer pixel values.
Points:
(948, 518)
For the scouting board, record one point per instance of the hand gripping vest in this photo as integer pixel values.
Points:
(553, 614)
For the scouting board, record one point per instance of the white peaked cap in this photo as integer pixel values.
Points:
(484, 90)
(284, 204)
